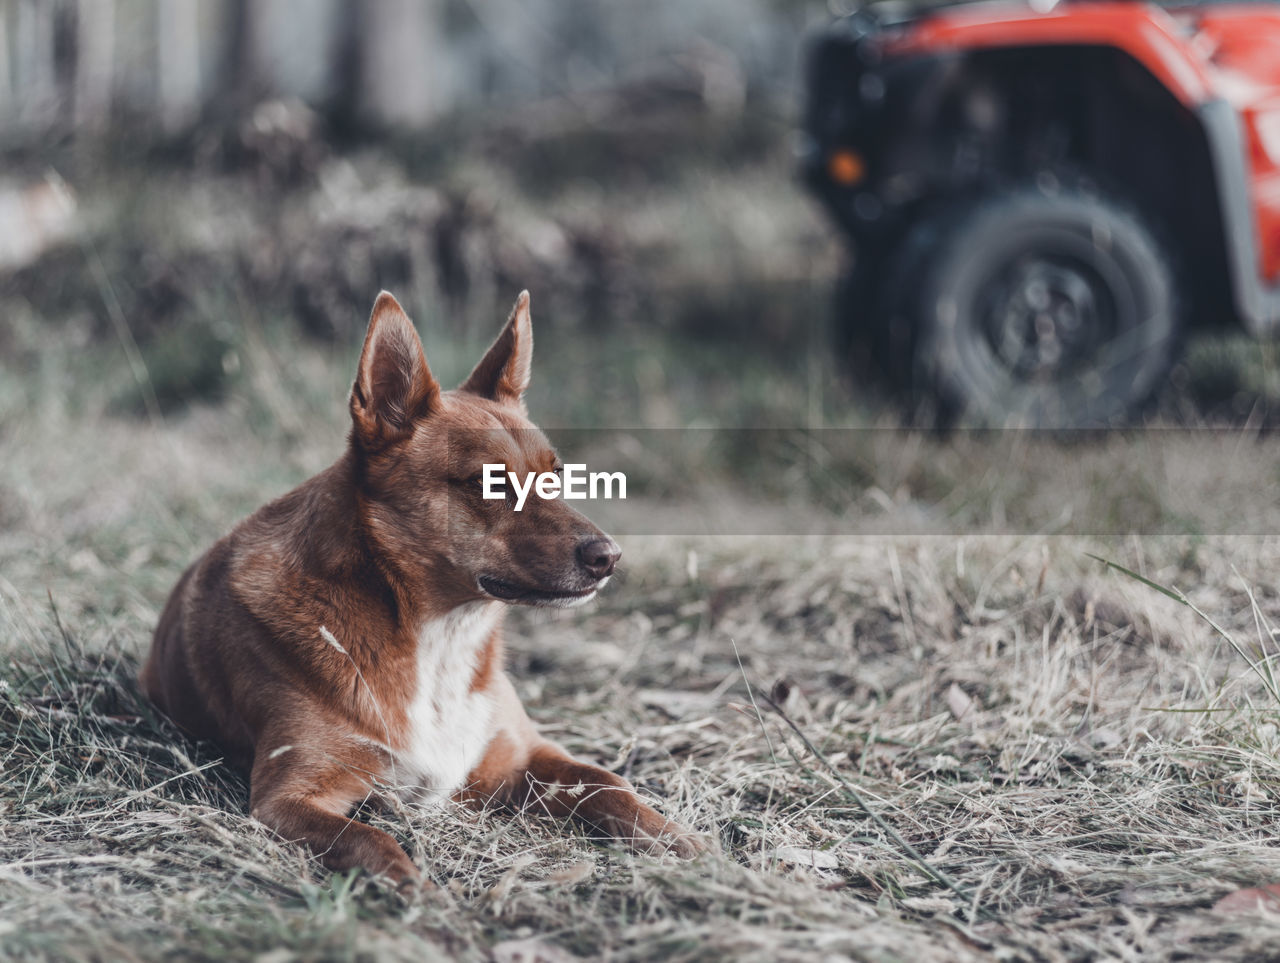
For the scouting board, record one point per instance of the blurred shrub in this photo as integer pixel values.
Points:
(190, 361)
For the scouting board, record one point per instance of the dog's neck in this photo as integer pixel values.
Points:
(335, 541)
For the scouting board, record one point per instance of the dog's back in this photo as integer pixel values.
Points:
(238, 635)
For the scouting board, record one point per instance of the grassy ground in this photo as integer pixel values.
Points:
(1086, 759)
(1081, 764)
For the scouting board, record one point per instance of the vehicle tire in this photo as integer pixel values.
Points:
(1037, 309)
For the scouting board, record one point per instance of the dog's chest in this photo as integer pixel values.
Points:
(449, 726)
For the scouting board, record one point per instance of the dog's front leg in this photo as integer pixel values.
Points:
(304, 793)
(523, 770)
(556, 783)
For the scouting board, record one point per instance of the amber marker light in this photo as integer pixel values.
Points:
(846, 167)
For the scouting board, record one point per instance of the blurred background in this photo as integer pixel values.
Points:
(200, 199)
(185, 177)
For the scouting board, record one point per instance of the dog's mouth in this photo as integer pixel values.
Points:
(528, 595)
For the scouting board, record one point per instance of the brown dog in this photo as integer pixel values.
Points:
(349, 633)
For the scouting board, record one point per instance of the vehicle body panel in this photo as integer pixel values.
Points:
(1242, 46)
(1220, 62)
(1148, 33)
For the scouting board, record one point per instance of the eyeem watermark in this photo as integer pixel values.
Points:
(574, 483)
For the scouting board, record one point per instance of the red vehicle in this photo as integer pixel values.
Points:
(1042, 199)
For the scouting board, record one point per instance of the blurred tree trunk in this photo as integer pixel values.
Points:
(36, 91)
(236, 78)
(401, 47)
(7, 104)
(347, 56)
(95, 62)
(178, 58)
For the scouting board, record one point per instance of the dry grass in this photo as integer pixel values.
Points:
(1088, 761)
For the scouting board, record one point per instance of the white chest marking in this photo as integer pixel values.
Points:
(449, 725)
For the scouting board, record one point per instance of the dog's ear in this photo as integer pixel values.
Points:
(394, 386)
(503, 373)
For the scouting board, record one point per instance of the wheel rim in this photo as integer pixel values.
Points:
(1045, 315)
(1026, 368)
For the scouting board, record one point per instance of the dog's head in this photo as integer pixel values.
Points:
(421, 454)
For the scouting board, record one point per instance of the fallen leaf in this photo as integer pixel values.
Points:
(781, 691)
(678, 703)
(531, 950)
(1104, 737)
(959, 702)
(573, 874)
(1265, 898)
(814, 858)
(276, 956)
(929, 904)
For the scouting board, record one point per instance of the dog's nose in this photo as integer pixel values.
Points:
(599, 556)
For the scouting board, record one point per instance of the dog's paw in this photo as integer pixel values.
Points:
(395, 870)
(416, 887)
(408, 886)
(688, 845)
(415, 884)
(674, 839)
